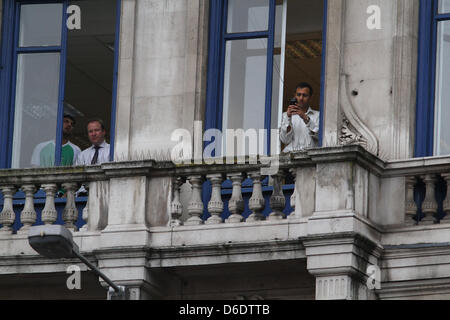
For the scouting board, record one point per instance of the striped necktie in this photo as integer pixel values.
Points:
(95, 157)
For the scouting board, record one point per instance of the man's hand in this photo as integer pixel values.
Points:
(292, 109)
(296, 110)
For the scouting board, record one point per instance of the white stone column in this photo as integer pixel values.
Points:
(176, 207)
(7, 216)
(172, 83)
(386, 86)
(342, 287)
(277, 200)
(429, 205)
(195, 207)
(215, 205)
(256, 202)
(410, 206)
(28, 214)
(70, 213)
(334, 288)
(236, 203)
(344, 265)
(49, 213)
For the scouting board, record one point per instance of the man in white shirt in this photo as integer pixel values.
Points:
(99, 151)
(300, 124)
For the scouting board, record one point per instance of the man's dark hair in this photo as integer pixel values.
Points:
(303, 85)
(70, 117)
(97, 120)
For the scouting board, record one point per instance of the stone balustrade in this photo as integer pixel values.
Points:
(427, 199)
(217, 210)
(30, 197)
(312, 183)
(28, 216)
(215, 205)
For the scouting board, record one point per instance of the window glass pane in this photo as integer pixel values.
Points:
(248, 15)
(444, 6)
(245, 84)
(40, 24)
(36, 108)
(90, 67)
(442, 103)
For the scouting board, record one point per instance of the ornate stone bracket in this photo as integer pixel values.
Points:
(353, 130)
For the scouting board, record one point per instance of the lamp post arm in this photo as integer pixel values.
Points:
(96, 270)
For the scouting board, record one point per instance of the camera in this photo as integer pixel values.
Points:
(293, 101)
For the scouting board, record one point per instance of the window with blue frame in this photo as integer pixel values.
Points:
(433, 83)
(58, 57)
(259, 50)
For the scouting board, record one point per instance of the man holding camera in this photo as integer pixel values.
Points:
(300, 124)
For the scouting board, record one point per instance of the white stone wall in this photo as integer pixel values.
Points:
(372, 72)
(161, 73)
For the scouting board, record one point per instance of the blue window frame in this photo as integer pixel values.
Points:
(221, 35)
(433, 100)
(14, 48)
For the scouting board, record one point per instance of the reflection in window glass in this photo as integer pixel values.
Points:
(442, 109)
(248, 16)
(36, 105)
(40, 25)
(444, 6)
(245, 84)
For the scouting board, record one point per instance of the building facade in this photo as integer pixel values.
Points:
(363, 216)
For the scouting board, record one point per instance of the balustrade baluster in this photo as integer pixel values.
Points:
(70, 213)
(195, 208)
(429, 205)
(446, 204)
(28, 214)
(49, 214)
(256, 202)
(236, 203)
(7, 216)
(215, 205)
(277, 200)
(85, 212)
(294, 196)
(410, 204)
(176, 207)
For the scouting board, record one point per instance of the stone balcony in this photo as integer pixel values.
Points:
(337, 209)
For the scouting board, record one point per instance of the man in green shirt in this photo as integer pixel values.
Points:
(44, 153)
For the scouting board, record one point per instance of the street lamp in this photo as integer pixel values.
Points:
(56, 242)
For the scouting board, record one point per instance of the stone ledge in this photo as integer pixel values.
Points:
(415, 290)
(226, 253)
(222, 233)
(416, 235)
